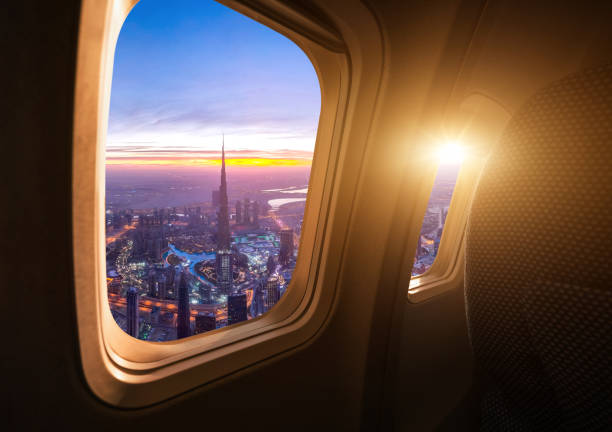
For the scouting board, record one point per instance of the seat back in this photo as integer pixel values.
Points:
(538, 281)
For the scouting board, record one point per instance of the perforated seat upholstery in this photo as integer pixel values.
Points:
(539, 263)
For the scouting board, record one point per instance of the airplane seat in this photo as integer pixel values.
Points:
(538, 283)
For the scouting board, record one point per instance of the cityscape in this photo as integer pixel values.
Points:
(174, 272)
(211, 133)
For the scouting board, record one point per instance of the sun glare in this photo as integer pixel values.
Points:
(451, 153)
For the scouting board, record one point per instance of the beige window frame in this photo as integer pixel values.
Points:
(127, 372)
(481, 121)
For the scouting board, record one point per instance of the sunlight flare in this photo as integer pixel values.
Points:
(451, 153)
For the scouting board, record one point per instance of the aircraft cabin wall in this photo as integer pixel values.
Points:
(493, 57)
(382, 360)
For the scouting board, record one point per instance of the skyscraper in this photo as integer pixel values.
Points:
(255, 214)
(151, 283)
(116, 221)
(132, 312)
(182, 320)
(161, 286)
(258, 300)
(177, 281)
(437, 240)
(216, 197)
(271, 265)
(238, 212)
(224, 254)
(236, 308)
(223, 230)
(443, 214)
(272, 292)
(420, 246)
(224, 271)
(204, 323)
(246, 218)
(286, 246)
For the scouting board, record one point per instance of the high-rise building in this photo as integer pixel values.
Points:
(224, 271)
(255, 221)
(238, 212)
(182, 320)
(132, 312)
(177, 280)
(157, 249)
(236, 308)
(170, 273)
(286, 246)
(205, 293)
(205, 322)
(224, 254)
(443, 214)
(246, 218)
(216, 197)
(161, 286)
(272, 292)
(271, 265)
(258, 300)
(223, 229)
(437, 240)
(116, 220)
(152, 283)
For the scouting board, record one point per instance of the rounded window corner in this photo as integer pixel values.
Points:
(130, 373)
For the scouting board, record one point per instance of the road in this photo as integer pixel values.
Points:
(146, 304)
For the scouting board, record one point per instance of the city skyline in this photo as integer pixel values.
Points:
(211, 137)
(176, 272)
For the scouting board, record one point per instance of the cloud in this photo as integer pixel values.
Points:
(233, 120)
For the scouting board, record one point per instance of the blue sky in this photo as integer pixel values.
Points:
(187, 70)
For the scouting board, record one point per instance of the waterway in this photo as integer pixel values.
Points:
(288, 190)
(278, 202)
(275, 204)
(191, 260)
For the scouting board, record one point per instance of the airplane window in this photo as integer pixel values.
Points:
(437, 208)
(211, 133)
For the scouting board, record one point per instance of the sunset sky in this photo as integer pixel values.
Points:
(187, 71)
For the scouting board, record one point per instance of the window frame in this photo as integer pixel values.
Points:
(131, 373)
(481, 121)
(447, 267)
(450, 206)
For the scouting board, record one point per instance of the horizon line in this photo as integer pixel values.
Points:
(191, 162)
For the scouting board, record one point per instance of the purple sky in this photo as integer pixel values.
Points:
(187, 71)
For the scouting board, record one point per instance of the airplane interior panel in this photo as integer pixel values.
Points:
(291, 215)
